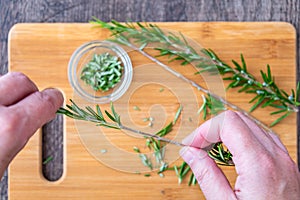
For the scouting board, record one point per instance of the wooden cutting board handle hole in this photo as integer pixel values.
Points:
(53, 149)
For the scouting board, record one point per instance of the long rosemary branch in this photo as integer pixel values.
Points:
(124, 39)
(177, 48)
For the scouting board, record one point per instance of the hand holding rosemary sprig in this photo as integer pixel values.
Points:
(264, 168)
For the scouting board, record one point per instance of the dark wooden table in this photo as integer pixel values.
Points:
(19, 11)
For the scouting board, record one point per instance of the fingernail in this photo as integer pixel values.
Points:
(190, 154)
(57, 92)
(187, 155)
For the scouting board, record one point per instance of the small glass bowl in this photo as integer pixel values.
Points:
(83, 55)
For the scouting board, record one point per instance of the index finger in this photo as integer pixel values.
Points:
(37, 109)
(229, 128)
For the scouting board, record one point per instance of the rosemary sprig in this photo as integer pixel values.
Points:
(88, 114)
(267, 93)
(96, 116)
(138, 36)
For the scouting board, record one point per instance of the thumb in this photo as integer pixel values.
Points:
(210, 177)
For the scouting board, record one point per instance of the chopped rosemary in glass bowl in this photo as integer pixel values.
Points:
(100, 71)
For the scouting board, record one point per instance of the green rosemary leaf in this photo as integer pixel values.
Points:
(286, 94)
(99, 112)
(183, 38)
(136, 108)
(228, 78)
(297, 93)
(185, 63)
(280, 119)
(136, 149)
(182, 166)
(277, 112)
(116, 116)
(110, 116)
(185, 171)
(269, 72)
(267, 103)
(237, 65)
(220, 150)
(177, 174)
(165, 130)
(191, 179)
(232, 84)
(244, 88)
(204, 114)
(146, 161)
(88, 108)
(243, 63)
(47, 160)
(278, 106)
(194, 182)
(143, 46)
(177, 114)
(163, 167)
(264, 76)
(203, 106)
(260, 100)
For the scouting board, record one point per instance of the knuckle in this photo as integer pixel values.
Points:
(19, 75)
(47, 102)
(22, 78)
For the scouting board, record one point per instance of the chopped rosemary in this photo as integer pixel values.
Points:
(103, 151)
(47, 160)
(136, 108)
(103, 72)
(161, 89)
(145, 160)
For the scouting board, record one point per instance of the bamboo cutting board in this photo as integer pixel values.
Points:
(42, 51)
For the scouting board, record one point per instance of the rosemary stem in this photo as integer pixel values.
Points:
(151, 135)
(200, 88)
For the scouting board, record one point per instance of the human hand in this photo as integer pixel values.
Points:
(265, 169)
(23, 109)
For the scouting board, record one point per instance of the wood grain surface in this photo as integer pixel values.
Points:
(16, 11)
(42, 51)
